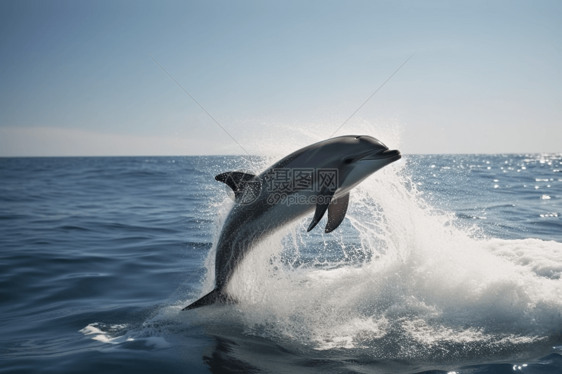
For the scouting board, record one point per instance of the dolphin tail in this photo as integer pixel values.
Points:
(212, 297)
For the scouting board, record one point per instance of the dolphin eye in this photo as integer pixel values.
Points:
(348, 160)
(357, 137)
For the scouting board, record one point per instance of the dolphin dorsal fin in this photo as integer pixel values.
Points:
(235, 179)
(336, 212)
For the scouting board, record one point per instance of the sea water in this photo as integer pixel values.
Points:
(447, 263)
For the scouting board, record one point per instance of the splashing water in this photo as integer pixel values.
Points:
(399, 279)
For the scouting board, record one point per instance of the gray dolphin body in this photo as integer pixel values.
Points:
(315, 178)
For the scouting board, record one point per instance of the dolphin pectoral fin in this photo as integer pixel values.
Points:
(321, 208)
(336, 212)
(235, 179)
(210, 298)
(315, 220)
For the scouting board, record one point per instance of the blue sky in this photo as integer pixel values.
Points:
(76, 78)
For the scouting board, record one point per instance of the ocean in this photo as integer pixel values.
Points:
(445, 263)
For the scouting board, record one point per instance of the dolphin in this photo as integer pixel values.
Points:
(315, 178)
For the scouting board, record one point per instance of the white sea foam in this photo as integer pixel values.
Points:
(118, 334)
(105, 336)
(405, 272)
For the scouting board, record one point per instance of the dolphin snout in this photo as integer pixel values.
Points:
(390, 153)
(381, 155)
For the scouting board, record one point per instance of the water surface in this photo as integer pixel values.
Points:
(448, 263)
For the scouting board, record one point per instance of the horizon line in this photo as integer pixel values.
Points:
(257, 155)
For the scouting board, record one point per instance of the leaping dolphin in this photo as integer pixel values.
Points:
(318, 177)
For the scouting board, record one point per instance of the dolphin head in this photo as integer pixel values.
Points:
(355, 156)
(366, 156)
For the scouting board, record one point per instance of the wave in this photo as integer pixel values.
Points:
(400, 279)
